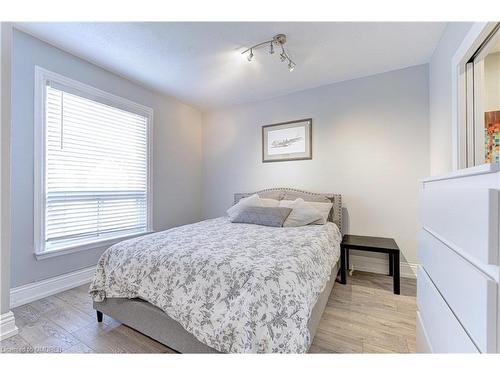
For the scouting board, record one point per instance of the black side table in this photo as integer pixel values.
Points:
(375, 244)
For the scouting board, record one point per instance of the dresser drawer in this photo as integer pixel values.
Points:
(444, 332)
(466, 218)
(469, 292)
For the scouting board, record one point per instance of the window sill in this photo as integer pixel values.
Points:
(90, 246)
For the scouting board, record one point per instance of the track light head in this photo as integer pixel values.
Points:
(250, 56)
(291, 66)
(282, 56)
(271, 49)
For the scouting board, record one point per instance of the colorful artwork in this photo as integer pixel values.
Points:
(492, 136)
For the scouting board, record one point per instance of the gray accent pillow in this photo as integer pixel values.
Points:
(268, 216)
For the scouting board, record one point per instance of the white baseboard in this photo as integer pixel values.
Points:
(44, 288)
(380, 265)
(7, 326)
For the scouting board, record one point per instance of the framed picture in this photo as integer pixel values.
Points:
(287, 141)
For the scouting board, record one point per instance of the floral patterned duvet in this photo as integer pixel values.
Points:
(235, 287)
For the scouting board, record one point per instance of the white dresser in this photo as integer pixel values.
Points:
(458, 294)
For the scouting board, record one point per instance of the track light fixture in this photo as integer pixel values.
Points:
(279, 41)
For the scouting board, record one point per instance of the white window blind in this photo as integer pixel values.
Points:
(96, 170)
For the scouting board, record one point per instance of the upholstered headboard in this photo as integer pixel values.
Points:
(291, 194)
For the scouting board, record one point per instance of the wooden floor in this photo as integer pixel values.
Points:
(361, 317)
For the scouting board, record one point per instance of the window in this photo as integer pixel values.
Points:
(93, 177)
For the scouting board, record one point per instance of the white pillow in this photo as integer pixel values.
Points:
(324, 209)
(267, 202)
(302, 213)
(291, 204)
(253, 200)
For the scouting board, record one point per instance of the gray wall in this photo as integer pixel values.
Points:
(176, 154)
(370, 143)
(440, 97)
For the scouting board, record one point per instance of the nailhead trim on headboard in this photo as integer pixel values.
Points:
(289, 193)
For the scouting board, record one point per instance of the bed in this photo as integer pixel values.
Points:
(216, 286)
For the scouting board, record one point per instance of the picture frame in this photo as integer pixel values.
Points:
(287, 141)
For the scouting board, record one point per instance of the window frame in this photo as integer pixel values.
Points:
(41, 77)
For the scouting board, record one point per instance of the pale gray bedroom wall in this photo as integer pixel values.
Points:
(440, 97)
(370, 143)
(176, 154)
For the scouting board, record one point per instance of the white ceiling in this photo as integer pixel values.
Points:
(201, 63)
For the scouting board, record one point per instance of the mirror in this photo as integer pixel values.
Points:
(483, 102)
(491, 105)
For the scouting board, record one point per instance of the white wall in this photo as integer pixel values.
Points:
(370, 143)
(440, 105)
(176, 154)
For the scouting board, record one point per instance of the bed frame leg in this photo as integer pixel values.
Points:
(99, 316)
